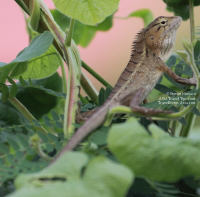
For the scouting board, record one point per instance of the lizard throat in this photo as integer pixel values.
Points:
(166, 46)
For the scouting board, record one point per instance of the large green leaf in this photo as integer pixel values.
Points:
(64, 178)
(158, 156)
(180, 7)
(37, 47)
(39, 67)
(82, 34)
(89, 12)
(10, 116)
(37, 101)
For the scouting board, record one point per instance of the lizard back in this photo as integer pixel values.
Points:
(142, 70)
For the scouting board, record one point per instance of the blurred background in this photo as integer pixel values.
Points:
(109, 51)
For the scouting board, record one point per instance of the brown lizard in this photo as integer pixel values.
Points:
(151, 48)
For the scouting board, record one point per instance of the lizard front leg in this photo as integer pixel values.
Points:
(163, 67)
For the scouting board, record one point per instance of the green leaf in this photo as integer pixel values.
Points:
(180, 7)
(87, 36)
(45, 118)
(39, 67)
(22, 81)
(28, 127)
(88, 106)
(101, 177)
(37, 101)
(197, 49)
(101, 97)
(69, 166)
(13, 91)
(94, 11)
(11, 81)
(174, 82)
(36, 123)
(195, 111)
(22, 140)
(9, 115)
(59, 125)
(49, 147)
(52, 137)
(82, 34)
(37, 47)
(163, 89)
(55, 115)
(107, 92)
(171, 61)
(43, 136)
(153, 155)
(163, 125)
(105, 25)
(13, 144)
(17, 128)
(19, 69)
(179, 69)
(99, 137)
(48, 124)
(5, 93)
(4, 149)
(145, 14)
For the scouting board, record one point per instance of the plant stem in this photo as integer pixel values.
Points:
(190, 118)
(72, 95)
(42, 154)
(166, 117)
(64, 80)
(185, 130)
(70, 33)
(86, 84)
(96, 75)
(26, 113)
(23, 6)
(192, 29)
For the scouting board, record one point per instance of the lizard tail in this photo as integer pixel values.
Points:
(93, 122)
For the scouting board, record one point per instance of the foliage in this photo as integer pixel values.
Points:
(134, 157)
(152, 155)
(42, 94)
(180, 7)
(83, 33)
(37, 47)
(63, 181)
(145, 14)
(94, 12)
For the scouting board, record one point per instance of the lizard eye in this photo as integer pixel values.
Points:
(163, 22)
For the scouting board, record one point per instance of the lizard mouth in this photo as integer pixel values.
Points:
(173, 27)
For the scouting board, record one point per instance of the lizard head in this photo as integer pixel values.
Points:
(161, 34)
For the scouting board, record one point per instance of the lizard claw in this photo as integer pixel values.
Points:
(193, 80)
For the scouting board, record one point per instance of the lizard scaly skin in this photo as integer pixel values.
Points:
(151, 48)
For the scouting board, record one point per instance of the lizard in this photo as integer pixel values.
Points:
(151, 48)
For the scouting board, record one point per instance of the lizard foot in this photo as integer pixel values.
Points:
(149, 111)
(191, 81)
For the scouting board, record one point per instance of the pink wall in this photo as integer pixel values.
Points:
(109, 51)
